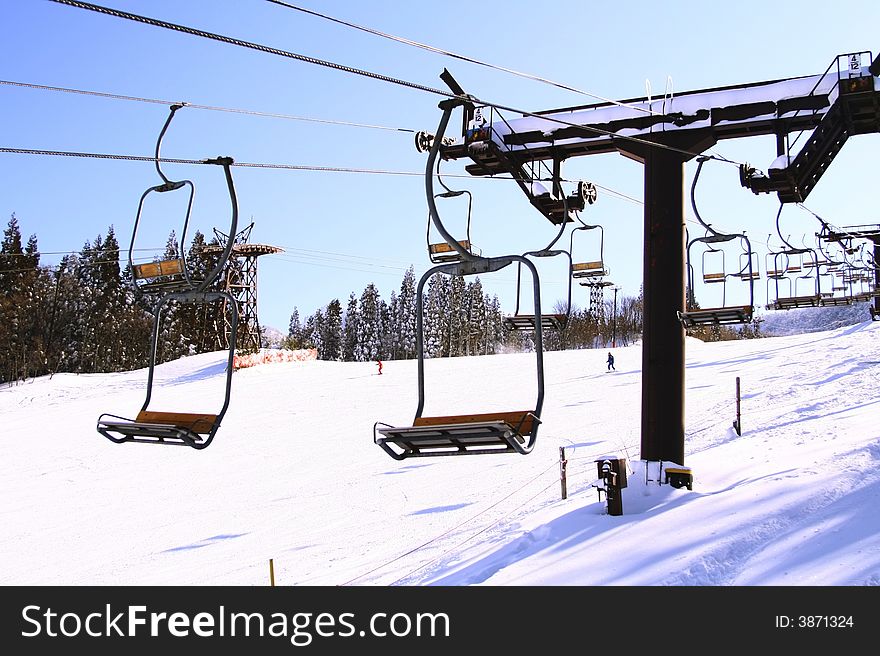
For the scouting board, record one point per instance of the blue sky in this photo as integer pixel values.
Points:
(341, 231)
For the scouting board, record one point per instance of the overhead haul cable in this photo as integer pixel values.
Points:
(376, 76)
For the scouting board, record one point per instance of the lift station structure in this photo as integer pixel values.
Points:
(663, 134)
(240, 282)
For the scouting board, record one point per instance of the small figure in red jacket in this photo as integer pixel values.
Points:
(379, 362)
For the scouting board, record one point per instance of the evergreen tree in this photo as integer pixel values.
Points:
(20, 354)
(478, 328)
(456, 317)
(406, 316)
(308, 331)
(68, 299)
(31, 253)
(203, 325)
(294, 339)
(11, 260)
(434, 313)
(109, 302)
(392, 346)
(369, 335)
(350, 330)
(385, 337)
(331, 332)
(495, 324)
(173, 342)
(316, 330)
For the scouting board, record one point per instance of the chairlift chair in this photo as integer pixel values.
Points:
(713, 266)
(776, 264)
(195, 430)
(712, 262)
(162, 282)
(442, 252)
(713, 272)
(797, 298)
(525, 322)
(842, 292)
(538, 319)
(585, 271)
(810, 259)
(748, 266)
(473, 433)
(150, 280)
(795, 261)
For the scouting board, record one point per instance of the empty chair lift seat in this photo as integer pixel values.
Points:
(444, 252)
(830, 301)
(163, 276)
(588, 270)
(494, 432)
(527, 322)
(792, 302)
(716, 316)
(182, 428)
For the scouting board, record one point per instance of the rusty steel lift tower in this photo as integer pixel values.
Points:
(240, 281)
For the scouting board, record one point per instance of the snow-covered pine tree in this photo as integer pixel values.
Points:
(391, 336)
(313, 331)
(456, 317)
(435, 311)
(369, 342)
(331, 332)
(14, 304)
(293, 340)
(350, 330)
(407, 315)
(478, 329)
(173, 341)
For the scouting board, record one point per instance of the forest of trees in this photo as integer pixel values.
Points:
(460, 319)
(82, 316)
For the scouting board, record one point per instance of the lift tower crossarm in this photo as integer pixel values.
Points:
(727, 112)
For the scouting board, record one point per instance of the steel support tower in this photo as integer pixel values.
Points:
(240, 281)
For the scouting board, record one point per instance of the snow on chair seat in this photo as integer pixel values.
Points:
(495, 432)
(154, 427)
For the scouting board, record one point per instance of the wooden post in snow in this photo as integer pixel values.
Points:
(272, 572)
(563, 463)
(737, 426)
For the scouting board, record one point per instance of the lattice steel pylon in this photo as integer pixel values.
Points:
(597, 300)
(240, 280)
(597, 304)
